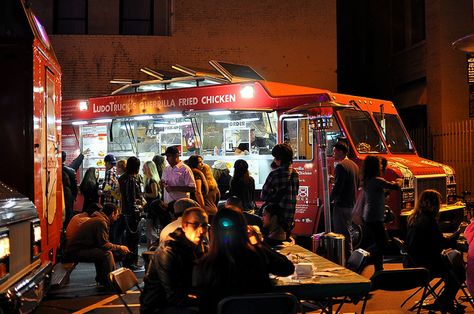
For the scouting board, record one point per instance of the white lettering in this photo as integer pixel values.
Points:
(218, 99)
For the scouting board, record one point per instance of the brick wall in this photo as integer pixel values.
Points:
(288, 41)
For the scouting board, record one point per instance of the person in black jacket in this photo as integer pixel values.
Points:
(343, 193)
(70, 189)
(237, 263)
(168, 280)
(132, 204)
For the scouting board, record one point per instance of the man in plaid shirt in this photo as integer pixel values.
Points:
(281, 186)
(110, 185)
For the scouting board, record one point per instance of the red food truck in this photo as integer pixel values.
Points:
(30, 187)
(212, 113)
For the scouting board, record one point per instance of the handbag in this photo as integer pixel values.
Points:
(358, 209)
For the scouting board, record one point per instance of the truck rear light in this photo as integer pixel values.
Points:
(4, 253)
(35, 239)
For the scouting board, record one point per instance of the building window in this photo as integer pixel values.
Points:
(145, 17)
(408, 23)
(417, 21)
(70, 17)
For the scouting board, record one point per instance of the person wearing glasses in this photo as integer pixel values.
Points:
(168, 280)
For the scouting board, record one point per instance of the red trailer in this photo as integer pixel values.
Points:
(30, 133)
(212, 113)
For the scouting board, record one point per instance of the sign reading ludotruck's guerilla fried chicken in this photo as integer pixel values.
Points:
(163, 102)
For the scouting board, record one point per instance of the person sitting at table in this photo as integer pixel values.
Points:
(168, 280)
(274, 234)
(237, 262)
(424, 245)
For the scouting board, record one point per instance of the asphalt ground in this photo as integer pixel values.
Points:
(82, 296)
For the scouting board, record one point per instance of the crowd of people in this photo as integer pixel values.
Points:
(211, 251)
(180, 203)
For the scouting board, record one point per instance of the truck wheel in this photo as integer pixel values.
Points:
(356, 235)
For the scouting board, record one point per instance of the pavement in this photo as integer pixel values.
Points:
(82, 296)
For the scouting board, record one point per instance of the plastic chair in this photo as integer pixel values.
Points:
(123, 279)
(401, 280)
(454, 262)
(266, 303)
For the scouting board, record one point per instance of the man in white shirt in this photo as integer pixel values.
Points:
(178, 180)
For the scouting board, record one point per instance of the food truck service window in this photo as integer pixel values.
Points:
(215, 135)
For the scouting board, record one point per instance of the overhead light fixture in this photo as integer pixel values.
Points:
(142, 118)
(220, 113)
(83, 106)
(102, 121)
(79, 122)
(247, 92)
(172, 116)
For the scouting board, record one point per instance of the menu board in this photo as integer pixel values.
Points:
(94, 139)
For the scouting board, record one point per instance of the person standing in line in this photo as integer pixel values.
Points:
(90, 188)
(213, 195)
(222, 176)
(373, 214)
(242, 185)
(69, 182)
(130, 190)
(110, 184)
(195, 163)
(178, 179)
(343, 194)
(151, 193)
(160, 164)
(281, 186)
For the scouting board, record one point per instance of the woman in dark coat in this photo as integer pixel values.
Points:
(242, 185)
(90, 188)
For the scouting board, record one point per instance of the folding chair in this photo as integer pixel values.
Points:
(265, 303)
(409, 262)
(454, 262)
(401, 280)
(123, 279)
(356, 262)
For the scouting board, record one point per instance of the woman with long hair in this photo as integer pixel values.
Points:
(151, 193)
(90, 188)
(373, 215)
(195, 163)
(242, 185)
(233, 264)
(425, 243)
(213, 194)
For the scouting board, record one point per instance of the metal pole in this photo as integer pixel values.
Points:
(325, 177)
(321, 124)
